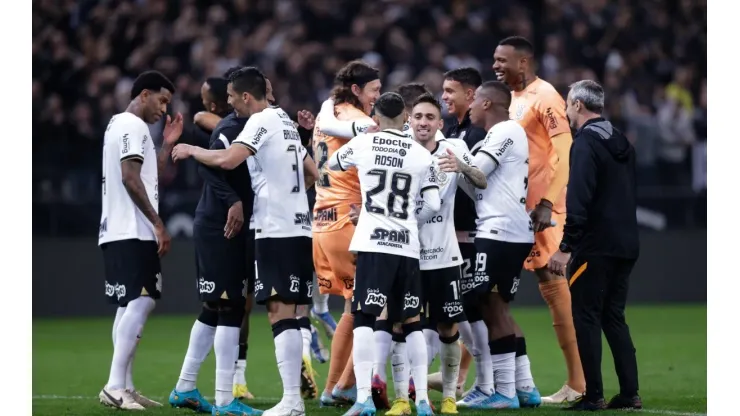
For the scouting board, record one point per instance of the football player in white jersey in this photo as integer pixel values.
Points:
(131, 235)
(277, 162)
(504, 235)
(394, 172)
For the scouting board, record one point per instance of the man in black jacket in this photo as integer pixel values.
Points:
(601, 236)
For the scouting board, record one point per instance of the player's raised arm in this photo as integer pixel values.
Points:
(331, 126)
(431, 201)
(344, 158)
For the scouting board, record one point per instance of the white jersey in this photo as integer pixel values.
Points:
(439, 247)
(394, 170)
(502, 214)
(280, 202)
(127, 138)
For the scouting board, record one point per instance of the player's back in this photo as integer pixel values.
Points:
(280, 202)
(392, 169)
(335, 190)
(126, 138)
(540, 110)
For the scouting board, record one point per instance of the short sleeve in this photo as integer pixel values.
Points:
(361, 126)
(345, 157)
(132, 142)
(303, 152)
(551, 113)
(497, 144)
(430, 179)
(254, 134)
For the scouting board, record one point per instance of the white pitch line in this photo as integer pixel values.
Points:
(277, 399)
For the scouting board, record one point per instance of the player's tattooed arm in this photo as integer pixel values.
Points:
(131, 176)
(474, 175)
(449, 162)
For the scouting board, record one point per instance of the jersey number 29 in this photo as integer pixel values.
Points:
(400, 183)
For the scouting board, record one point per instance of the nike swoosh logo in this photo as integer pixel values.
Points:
(396, 365)
(451, 365)
(452, 315)
(116, 402)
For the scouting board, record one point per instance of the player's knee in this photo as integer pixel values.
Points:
(473, 313)
(383, 325)
(208, 316)
(231, 313)
(301, 310)
(364, 320)
(284, 325)
(410, 327)
(304, 323)
(447, 330)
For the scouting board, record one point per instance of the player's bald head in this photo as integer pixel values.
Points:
(495, 91)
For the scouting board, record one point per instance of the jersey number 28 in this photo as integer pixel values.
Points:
(400, 183)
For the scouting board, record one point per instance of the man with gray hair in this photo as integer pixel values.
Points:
(601, 236)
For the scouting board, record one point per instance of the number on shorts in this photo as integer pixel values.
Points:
(322, 157)
(480, 262)
(455, 289)
(466, 269)
(400, 185)
(297, 187)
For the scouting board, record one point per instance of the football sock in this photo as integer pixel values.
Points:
(417, 353)
(484, 372)
(556, 294)
(524, 379)
(465, 359)
(502, 352)
(240, 373)
(341, 350)
(401, 370)
(466, 334)
(305, 326)
(362, 352)
(382, 347)
(320, 302)
(128, 329)
(225, 345)
(449, 356)
(201, 342)
(432, 340)
(288, 346)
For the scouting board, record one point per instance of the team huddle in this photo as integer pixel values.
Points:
(421, 224)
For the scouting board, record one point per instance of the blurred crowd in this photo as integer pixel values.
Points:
(649, 55)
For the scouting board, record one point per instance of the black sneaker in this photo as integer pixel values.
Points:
(624, 402)
(587, 405)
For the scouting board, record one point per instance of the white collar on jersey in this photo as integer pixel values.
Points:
(396, 132)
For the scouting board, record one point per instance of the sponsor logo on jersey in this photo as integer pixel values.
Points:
(552, 123)
(124, 149)
(382, 141)
(452, 309)
(258, 285)
(385, 149)
(110, 290)
(501, 150)
(390, 238)
(258, 136)
(410, 302)
(347, 153)
(204, 286)
(327, 215)
(374, 297)
(437, 219)
(427, 254)
(120, 291)
(302, 218)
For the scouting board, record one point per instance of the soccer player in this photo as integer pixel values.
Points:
(540, 109)
(224, 261)
(394, 172)
(357, 87)
(132, 236)
(440, 257)
(277, 162)
(504, 237)
(458, 90)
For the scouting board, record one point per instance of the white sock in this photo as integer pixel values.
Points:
(504, 368)
(127, 333)
(431, 338)
(240, 374)
(417, 353)
(320, 302)
(524, 379)
(449, 355)
(130, 368)
(226, 346)
(362, 353)
(382, 346)
(401, 370)
(466, 334)
(119, 314)
(306, 336)
(288, 347)
(484, 371)
(201, 342)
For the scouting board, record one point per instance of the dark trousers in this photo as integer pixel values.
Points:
(598, 287)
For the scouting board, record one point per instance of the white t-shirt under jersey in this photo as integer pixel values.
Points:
(504, 159)
(127, 137)
(439, 247)
(280, 202)
(394, 170)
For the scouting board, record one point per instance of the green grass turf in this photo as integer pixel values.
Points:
(71, 360)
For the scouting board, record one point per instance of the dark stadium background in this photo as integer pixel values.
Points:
(649, 55)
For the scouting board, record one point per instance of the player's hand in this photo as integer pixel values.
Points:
(173, 129)
(558, 263)
(541, 216)
(306, 119)
(163, 239)
(448, 162)
(354, 213)
(181, 152)
(234, 220)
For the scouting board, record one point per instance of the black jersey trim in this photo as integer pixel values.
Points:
(139, 158)
(250, 147)
(491, 156)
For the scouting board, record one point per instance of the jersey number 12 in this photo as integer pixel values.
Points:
(400, 183)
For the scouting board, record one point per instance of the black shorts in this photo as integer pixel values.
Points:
(387, 279)
(500, 264)
(284, 270)
(132, 269)
(470, 287)
(442, 299)
(224, 267)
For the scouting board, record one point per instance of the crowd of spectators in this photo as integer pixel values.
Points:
(649, 55)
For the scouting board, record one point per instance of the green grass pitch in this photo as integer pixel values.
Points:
(71, 360)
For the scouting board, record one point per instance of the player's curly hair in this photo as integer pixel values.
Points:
(354, 73)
